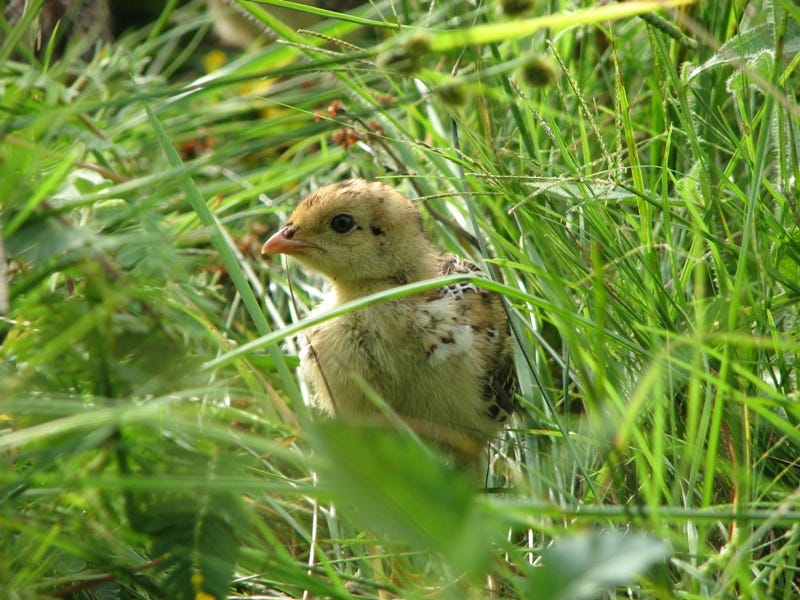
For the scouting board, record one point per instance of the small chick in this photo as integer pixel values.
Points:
(441, 359)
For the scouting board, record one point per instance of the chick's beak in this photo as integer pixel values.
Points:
(284, 242)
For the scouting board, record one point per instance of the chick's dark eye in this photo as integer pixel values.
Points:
(342, 223)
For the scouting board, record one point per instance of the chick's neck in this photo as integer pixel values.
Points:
(353, 289)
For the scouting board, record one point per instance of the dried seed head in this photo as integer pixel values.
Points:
(452, 93)
(537, 71)
(513, 8)
(406, 56)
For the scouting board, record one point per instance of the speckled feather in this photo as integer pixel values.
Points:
(441, 359)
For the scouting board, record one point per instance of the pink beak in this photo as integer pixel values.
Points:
(284, 242)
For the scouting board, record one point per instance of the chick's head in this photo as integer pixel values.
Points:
(356, 232)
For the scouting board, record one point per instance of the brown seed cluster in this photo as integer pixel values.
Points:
(347, 135)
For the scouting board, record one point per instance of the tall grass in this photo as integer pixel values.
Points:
(638, 212)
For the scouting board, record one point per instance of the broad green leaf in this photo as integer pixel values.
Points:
(584, 565)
